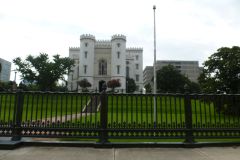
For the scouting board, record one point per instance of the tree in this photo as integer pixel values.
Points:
(43, 72)
(192, 87)
(130, 85)
(221, 71)
(148, 88)
(114, 83)
(84, 84)
(169, 79)
(8, 86)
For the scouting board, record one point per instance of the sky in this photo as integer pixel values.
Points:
(185, 29)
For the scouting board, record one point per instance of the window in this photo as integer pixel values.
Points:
(86, 44)
(102, 67)
(127, 71)
(136, 66)
(118, 69)
(136, 57)
(85, 69)
(118, 55)
(118, 44)
(127, 62)
(178, 67)
(85, 54)
(137, 77)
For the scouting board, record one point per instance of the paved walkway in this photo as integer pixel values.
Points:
(75, 153)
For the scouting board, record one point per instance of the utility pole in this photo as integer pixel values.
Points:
(154, 70)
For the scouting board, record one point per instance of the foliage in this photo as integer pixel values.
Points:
(114, 83)
(169, 79)
(148, 88)
(8, 86)
(221, 74)
(61, 88)
(25, 86)
(43, 72)
(130, 85)
(222, 71)
(84, 84)
(192, 87)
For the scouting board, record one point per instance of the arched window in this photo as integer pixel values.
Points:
(102, 67)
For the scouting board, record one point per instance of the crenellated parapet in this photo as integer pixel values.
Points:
(134, 49)
(119, 36)
(74, 48)
(103, 44)
(87, 36)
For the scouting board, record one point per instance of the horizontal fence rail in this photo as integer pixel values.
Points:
(119, 116)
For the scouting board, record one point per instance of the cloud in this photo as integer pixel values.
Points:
(186, 29)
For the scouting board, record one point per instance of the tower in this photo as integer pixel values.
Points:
(118, 59)
(86, 58)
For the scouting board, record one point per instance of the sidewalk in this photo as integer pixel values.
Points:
(75, 153)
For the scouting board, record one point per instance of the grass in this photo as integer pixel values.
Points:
(128, 109)
(124, 111)
(41, 106)
(170, 111)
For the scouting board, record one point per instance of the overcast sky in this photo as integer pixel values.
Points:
(186, 29)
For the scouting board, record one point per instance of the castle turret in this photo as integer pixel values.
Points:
(118, 57)
(86, 67)
(73, 76)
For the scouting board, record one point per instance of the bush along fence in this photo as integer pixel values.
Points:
(119, 116)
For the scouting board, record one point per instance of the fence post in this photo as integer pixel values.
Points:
(188, 120)
(104, 116)
(17, 117)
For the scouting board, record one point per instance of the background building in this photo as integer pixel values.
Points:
(99, 61)
(148, 75)
(190, 69)
(5, 69)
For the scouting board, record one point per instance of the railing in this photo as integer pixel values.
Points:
(119, 116)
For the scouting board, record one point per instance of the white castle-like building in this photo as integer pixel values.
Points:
(99, 61)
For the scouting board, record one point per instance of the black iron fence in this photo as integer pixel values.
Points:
(119, 116)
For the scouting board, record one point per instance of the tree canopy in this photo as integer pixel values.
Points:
(113, 84)
(8, 86)
(130, 85)
(148, 88)
(169, 79)
(221, 71)
(84, 84)
(43, 72)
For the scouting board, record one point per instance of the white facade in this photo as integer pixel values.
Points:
(99, 61)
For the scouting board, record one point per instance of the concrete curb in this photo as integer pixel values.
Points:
(9, 145)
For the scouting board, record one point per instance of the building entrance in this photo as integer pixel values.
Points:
(101, 85)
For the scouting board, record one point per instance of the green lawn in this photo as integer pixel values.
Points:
(170, 112)
(42, 106)
(128, 110)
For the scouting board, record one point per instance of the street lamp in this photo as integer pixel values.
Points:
(15, 76)
(154, 68)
